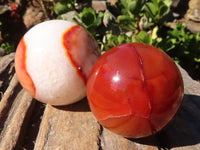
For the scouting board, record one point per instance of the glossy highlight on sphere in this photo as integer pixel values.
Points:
(53, 61)
(135, 90)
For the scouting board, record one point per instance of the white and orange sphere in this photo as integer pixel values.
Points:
(53, 61)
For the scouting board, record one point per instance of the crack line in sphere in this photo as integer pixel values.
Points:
(143, 78)
(153, 129)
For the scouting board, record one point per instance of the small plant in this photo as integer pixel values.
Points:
(130, 13)
(9, 48)
(155, 10)
(114, 40)
(90, 20)
(183, 47)
(141, 21)
(63, 6)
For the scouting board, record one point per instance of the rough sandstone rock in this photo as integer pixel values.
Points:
(33, 16)
(192, 17)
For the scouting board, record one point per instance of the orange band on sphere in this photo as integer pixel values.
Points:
(21, 68)
(80, 47)
(71, 43)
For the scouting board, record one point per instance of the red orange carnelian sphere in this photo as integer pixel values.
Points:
(135, 90)
(53, 61)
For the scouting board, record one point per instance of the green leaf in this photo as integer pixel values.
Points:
(186, 52)
(67, 1)
(88, 16)
(168, 3)
(197, 59)
(151, 9)
(165, 7)
(156, 2)
(132, 6)
(61, 8)
(163, 10)
(107, 17)
(173, 41)
(154, 33)
(145, 37)
(124, 3)
(135, 6)
(122, 18)
(7, 47)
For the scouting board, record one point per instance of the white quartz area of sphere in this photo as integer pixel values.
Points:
(55, 79)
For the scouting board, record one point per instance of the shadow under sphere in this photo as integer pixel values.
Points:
(183, 130)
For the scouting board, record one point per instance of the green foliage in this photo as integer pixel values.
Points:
(62, 7)
(183, 45)
(156, 9)
(131, 7)
(132, 21)
(58, 7)
(112, 40)
(180, 37)
(144, 37)
(130, 13)
(91, 21)
(142, 14)
(7, 47)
